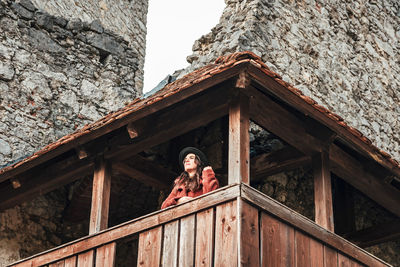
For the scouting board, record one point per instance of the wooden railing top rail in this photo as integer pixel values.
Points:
(211, 199)
(132, 227)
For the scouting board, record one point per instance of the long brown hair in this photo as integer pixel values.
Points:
(191, 183)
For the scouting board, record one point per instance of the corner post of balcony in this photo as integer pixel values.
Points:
(239, 141)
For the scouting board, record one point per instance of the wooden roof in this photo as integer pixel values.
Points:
(203, 78)
(247, 70)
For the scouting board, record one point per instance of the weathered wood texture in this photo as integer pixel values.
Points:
(105, 255)
(233, 226)
(226, 235)
(186, 241)
(249, 235)
(100, 196)
(149, 251)
(86, 259)
(239, 141)
(170, 244)
(323, 191)
(205, 238)
(302, 225)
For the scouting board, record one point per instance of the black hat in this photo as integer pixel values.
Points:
(197, 152)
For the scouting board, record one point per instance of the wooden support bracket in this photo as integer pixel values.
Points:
(133, 133)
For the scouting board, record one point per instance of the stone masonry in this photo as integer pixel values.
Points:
(57, 75)
(343, 54)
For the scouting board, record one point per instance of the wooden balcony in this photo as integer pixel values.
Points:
(232, 226)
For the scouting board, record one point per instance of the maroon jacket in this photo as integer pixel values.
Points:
(208, 184)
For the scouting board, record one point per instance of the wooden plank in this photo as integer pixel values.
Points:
(352, 171)
(86, 259)
(115, 123)
(179, 119)
(285, 159)
(330, 257)
(288, 127)
(60, 263)
(316, 253)
(249, 235)
(100, 196)
(149, 251)
(105, 255)
(239, 141)
(271, 86)
(377, 234)
(70, 262)
(323, 191)
(49, 179)
(302, 248)
(186, 241)
(293, 218)
(226, 235)
(170, 244)
(139, 176)
(204, 238)
(123, 230)
(277, 242)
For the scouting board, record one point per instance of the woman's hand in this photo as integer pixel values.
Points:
(207, 168)
(183, 200)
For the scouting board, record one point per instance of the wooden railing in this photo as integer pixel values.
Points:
(232, 226)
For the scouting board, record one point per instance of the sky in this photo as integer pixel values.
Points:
(172, 28)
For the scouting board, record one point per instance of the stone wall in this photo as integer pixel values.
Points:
(344, 54)
(55, 76)
(127, 18)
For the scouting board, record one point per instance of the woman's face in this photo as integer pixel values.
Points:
(190, 162)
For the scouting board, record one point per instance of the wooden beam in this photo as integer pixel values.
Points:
(279, 121)
(323, 191)
(45, 180)
(272, 86)
(239, 140)
(163, 126)
(352, 171)
(100, 196)
(133, 133)
(285, 159)
(385, 232)
(139, 175)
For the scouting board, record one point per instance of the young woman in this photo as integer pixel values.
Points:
(197, 178)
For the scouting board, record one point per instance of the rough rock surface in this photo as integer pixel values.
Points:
(55, 76)
(344, 54)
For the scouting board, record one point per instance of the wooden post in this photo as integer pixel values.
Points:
(239, 141)
(100, 196)
(323, 191)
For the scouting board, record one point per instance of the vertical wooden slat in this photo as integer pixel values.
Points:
(100, 196)
(70, 262)
(86, 259)
(316, 253)
(239, 141)
(277, 242)
(302, 247)
(249, 235)
(323, 191)
(330, 257)
(170, 247)
(105, 255)
(186, 241)
(226, 235)
(149, 251)
(204, 238)
(58, 264)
